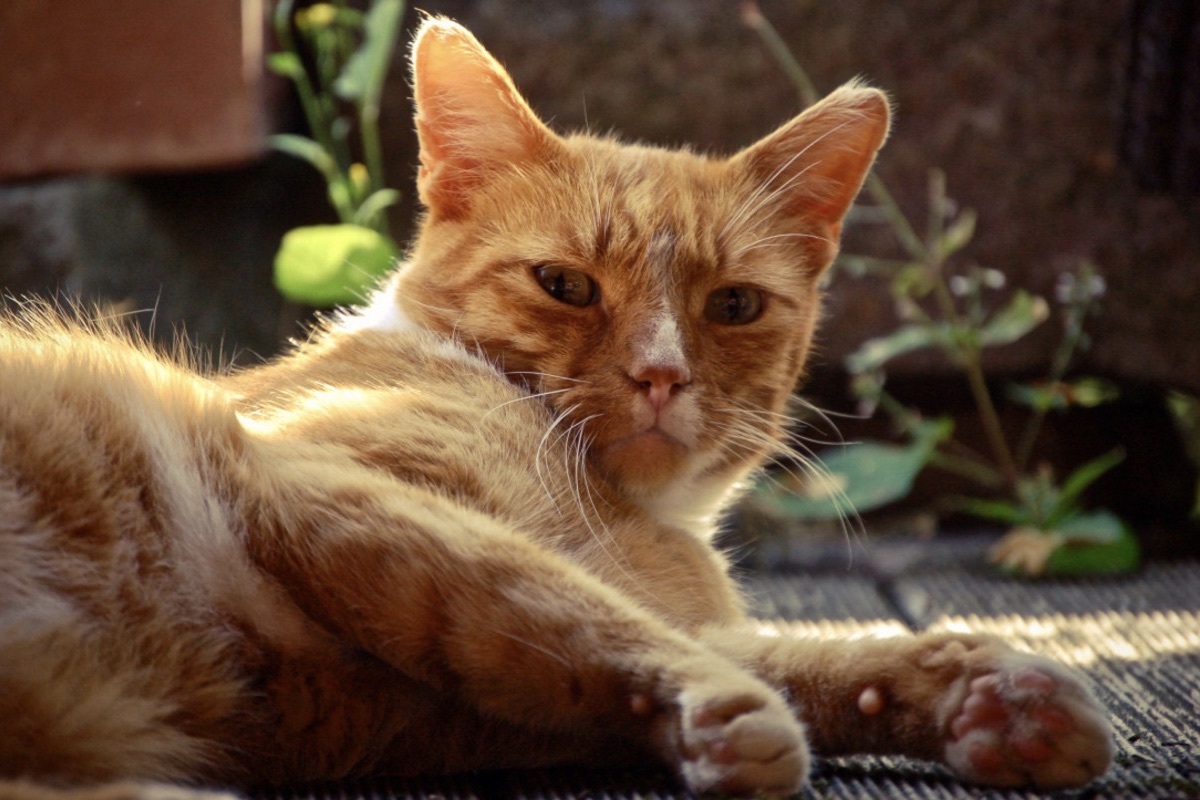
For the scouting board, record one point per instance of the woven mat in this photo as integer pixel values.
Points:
(1137, 638)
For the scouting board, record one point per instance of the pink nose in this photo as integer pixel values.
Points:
(661, 383)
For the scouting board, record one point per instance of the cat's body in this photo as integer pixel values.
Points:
(469, 525)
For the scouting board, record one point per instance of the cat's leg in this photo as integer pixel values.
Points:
(463, 604)
(992, 714)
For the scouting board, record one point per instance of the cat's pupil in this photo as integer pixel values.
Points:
(734, 305)
(567, 285)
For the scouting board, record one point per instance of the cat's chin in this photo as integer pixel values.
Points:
(644, 460)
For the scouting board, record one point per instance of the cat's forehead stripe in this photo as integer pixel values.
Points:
(604, 233)
(660, 253)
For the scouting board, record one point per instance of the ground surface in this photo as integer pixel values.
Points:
(1136, 638)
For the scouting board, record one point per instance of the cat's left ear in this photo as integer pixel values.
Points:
(471, 120)
(816, 164)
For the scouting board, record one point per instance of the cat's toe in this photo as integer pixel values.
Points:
(740, 742)
(1023, 720)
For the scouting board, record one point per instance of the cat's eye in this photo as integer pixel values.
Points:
(734, 305)
(567, 285)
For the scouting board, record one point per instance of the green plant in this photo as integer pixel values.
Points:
(958, 310)
(337, 57)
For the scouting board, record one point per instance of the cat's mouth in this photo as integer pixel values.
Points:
(648, 457)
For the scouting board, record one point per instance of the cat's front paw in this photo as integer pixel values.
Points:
(737, 736)
(1016, 719)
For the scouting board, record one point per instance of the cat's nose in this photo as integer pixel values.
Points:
(660, 384)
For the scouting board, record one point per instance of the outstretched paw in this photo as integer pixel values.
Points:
(738, 737)
(1021, 720)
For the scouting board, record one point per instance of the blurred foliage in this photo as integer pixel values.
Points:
(960, 309)
(337, 57)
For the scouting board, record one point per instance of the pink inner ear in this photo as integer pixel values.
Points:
(471, 120)
(819, 160)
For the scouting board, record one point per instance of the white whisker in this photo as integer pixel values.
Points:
(769, 241)
(535, 646)
(547, 375)
(541, 449)
(521, 399)
(746, 431)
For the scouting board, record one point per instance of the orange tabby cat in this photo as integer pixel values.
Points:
(468, 525)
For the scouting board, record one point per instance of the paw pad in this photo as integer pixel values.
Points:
(1028, 721)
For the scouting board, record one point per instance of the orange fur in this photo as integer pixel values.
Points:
(468, 525)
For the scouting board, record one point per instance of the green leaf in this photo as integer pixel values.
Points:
(1096, 543)
(373, 204)
(1090, 527)
(859, 477)
(326, 265)
(1091, 392)
(1023, 313)
(928, 434)
(1058, 395)
(1038, 396)
(998, 510)
(306, 149)
(958, 235)
(912, 280)
(874, 353)
(1078, 482)
(362, 78)
(286, 64)
(859, 265)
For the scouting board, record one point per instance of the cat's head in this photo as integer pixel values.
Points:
(663, 301)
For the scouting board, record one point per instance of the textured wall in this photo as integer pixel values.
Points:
(1022, 104)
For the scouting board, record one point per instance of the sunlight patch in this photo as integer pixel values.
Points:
(1084, 639)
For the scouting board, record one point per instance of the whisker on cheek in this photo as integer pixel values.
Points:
(741, 428)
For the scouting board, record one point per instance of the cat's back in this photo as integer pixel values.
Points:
(92, 420)
(118, 458)
(118, 548)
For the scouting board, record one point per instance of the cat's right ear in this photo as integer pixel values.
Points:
(471, 120)
(812, 168)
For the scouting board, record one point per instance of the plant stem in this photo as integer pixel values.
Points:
(991, 421)
(968, 468)
(966, 349)
(304, 88)
(925, 253)
(754, 19)
(809, 95)
(905, 232)
(368, 122)
(1076, 315)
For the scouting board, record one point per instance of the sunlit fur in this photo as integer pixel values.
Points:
(466, 526)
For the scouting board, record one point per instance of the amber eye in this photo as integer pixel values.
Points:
(567, 285)
(734, 305)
